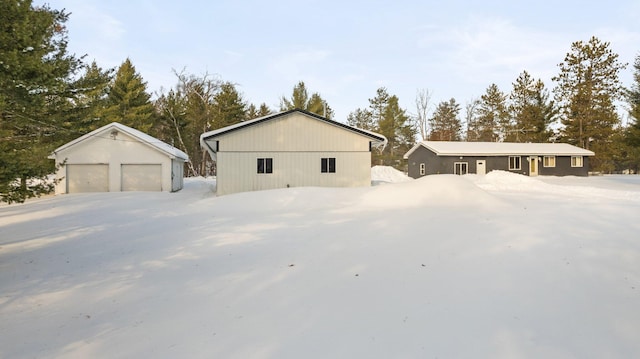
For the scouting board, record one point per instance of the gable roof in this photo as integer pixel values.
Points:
(151, 141)
(452, 148)
(378, 139)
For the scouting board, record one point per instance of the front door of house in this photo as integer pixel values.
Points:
(481, 167)
(533, 165)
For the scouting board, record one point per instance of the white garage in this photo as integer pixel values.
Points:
(117, 158)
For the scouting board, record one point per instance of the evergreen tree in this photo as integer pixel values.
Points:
(587, 86)
(633, 97)
(229, 106)
(531, 110)
(91, 103)
(378, 105)
(256, 112)
(396, 126)
(361, 119)
(300, 100)
(632, 133)
(445, 123)
(35, 92)
(129, 102)
(493, 121)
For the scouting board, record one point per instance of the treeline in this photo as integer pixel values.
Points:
(49, 97)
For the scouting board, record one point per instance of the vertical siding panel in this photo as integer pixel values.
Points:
(294, 169)
(295, 132)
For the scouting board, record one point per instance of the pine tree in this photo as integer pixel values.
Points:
(229, 106)
(633, 97)
(531, 109)
(396, 126)
(300, 100)
(91, 103)
(129, 102)
(445, 123)
(493, 121)
(378, 105)
(587, 87)
(632, 133)
(35, 92)
(256, 112)
(361, 118)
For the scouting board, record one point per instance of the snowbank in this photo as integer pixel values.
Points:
(444, 266)
(387, 174)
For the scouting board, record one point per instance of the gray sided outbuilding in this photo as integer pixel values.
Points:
(530, 159)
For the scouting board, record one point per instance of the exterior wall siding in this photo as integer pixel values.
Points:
(103, 149)
(293, 132)
(435, 164)
(237, 171)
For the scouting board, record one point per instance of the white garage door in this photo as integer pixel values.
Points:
(142, 177)
(87, 178)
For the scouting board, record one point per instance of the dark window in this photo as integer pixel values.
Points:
(328, 165)
(514, 162)
(265, 165)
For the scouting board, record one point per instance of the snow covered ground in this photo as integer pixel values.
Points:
(499, 266)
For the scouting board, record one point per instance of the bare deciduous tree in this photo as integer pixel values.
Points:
(423, 99)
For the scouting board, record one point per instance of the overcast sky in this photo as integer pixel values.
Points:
(345, 50)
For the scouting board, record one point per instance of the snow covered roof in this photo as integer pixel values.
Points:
(143, 137)
(378, 139)
(453, 148)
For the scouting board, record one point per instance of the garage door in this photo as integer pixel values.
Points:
(87, 178)
(142, 177)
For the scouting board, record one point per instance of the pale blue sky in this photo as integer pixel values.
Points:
(345, 50)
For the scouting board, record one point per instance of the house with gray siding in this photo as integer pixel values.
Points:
(290, 149)
(529, 159)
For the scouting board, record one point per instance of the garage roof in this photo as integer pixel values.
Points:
(105, 132)
(453, 148)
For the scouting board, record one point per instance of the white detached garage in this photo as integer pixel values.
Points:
(116, 158)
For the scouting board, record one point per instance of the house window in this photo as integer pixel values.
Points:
(549, 161)
(576, 161)
(328, 165)
(422, 169)
(265, 165)
(460, 168)
(514, 162)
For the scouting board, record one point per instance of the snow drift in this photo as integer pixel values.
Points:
(500, 266)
